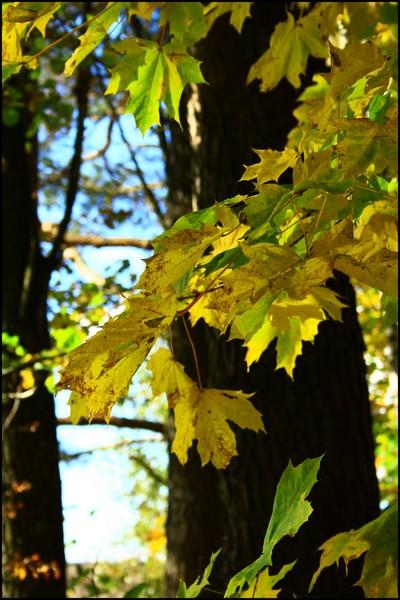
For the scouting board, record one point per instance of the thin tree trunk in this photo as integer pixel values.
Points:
(33, 547)
(326, 408)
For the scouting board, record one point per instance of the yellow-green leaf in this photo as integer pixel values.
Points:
(101, 369)
(77, 407)
(292, 322)
(95, 34)
(271, 166)
(161, 78)
(177, 255)
(264, 583)
(291, 44)
(379, 539)
(239, 12)
(202, 413)
(367, 147)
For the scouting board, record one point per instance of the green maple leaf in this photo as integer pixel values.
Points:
(95, 34)
(153, 74)
(194, 590)
(291, 44)
(290, 510)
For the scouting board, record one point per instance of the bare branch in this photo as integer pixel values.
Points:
(149, 469)
(103, 150)
(148, 191)
(66, 456)
(87, 272)
(120, 422)
(82, 90)
(76, 239)
(30, 363)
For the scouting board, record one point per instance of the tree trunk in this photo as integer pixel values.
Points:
(33, 546)
(324, 411)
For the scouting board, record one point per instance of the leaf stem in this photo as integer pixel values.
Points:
(196, 362)
(63, 37)
(182, 312)
(301, 225)
(171, 342)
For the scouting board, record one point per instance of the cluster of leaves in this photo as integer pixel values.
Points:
(291, 509)
(255, 266)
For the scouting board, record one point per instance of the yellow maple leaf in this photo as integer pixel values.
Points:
(292, 322)
(271, 166)
(263, 584)
(367, 261)
(201, 413)
(100, 369)
(176, 255)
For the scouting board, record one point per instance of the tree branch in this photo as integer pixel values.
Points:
(30, 363)
(149, 469)
(49, 232)
(82, 89)
(120, 422)
(148, 191)
(103, 150)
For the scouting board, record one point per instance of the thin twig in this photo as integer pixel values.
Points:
(82, 89)
(182, 312)
(171, 342)
(98, 153)
(196, 362)
(8, 420)
(300, 223)
(30, 363)
(149, 469)
(318, 220)
(148, 191)
(65, 456)
(65, 36)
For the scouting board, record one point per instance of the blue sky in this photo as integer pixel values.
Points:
(99, 510)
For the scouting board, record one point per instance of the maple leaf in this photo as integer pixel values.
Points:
(95, 34)
(367, 145)
(290, 510)
(371, 264)
(176, 255)
(292, 322)
(100, 369)
(351, 64)
(378, 539)
(263, 585)
(152, 74)
(239, 12)
(36, 14)
(291, 44)
(186, 21)
(273, 163)
(194, 590)
(201, 413)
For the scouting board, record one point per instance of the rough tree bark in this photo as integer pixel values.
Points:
(326, 408)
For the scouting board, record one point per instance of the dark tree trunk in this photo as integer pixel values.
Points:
(33, 547)
(326, 408)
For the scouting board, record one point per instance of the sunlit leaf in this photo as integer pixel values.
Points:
(201, 413)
